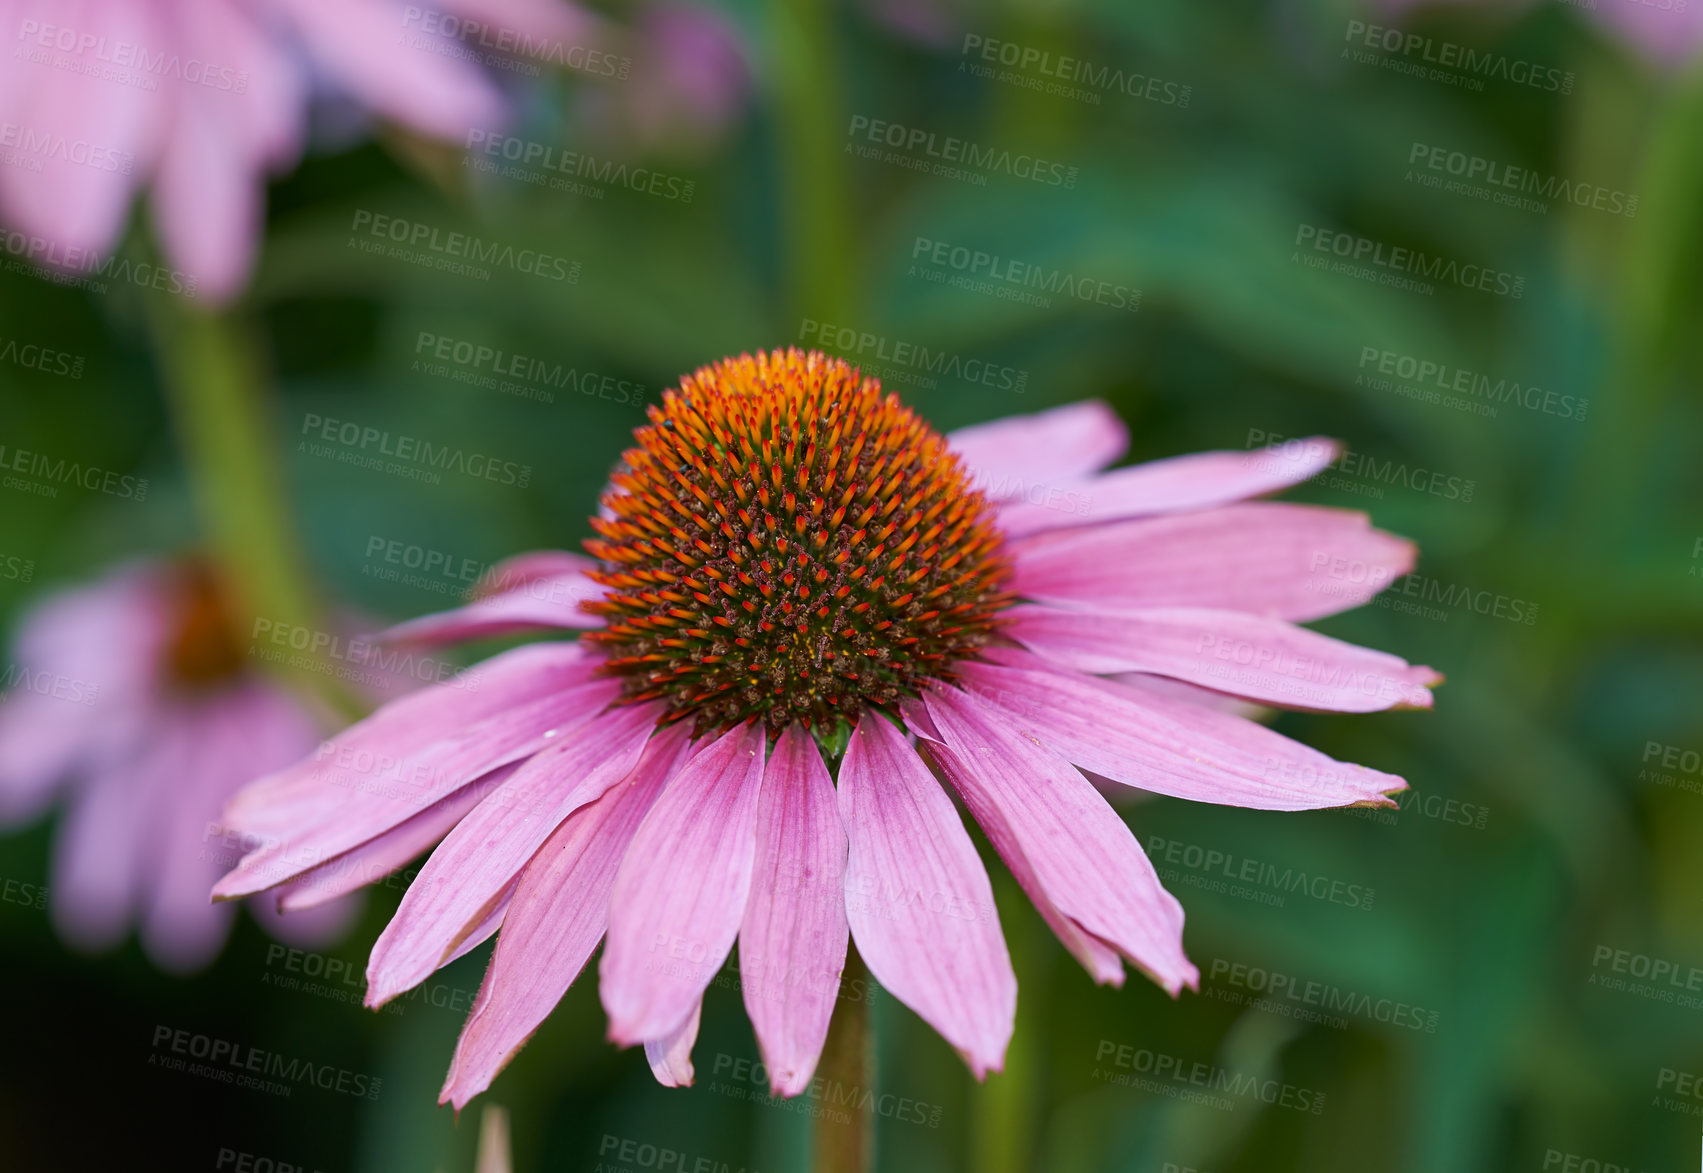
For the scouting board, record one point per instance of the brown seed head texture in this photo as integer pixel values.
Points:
(787, 542)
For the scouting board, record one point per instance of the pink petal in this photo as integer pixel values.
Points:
(681, 890)
(670, 1057)
(1047, 448)
(1168, 486)
(207, 195)
(471, 868)
(314, 928)
(1165, 745)
(918, 899)
(365, 47)
(1295, 562)
(106, 845)
(234, 735)
(792, 943)
(375, 859)
(1075, 858)
(360, 799)
(1193, 694)
(558, 915)
(407, 756)
(80, 207)
(416, 720)
(1246, 655)
(520, 569)
(548, 603)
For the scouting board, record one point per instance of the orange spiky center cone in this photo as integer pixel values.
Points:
(787, 542)
(202, 648)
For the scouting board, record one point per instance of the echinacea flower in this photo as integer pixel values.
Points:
(690, 81)
(134, 699)
(103, 98)
(787, 561)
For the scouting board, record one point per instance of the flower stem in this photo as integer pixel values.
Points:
(211, 366)
(848, 1062)
(820, 265)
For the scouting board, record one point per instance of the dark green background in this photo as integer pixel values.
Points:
(1492, 928)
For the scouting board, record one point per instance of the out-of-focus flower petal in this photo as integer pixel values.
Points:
(1051, 447)
(107, 844)
(477, 861)
(792, 943)
(1296, 562)
(557, 917)
(1164, 745)
(1077, 860)
(681, 890)
(1167, 486)
(363, 45)
(79, 206)
(918, 899)
(1251, 656)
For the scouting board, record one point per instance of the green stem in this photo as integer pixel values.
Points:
(821, 282)
(848, 1061)
(211, 366)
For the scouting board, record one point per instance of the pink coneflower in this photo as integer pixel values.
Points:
(200, 103)
(690, 82)
(133, 698)
(790, 561)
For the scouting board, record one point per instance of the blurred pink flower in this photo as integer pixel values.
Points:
(102, 98)
(134, 700)
(789, 558)
(689, 83)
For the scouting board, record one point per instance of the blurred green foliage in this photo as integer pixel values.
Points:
(1541, 833)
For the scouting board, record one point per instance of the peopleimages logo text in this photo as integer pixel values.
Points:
(916, 140)
(1363, 250)
(1428, 56)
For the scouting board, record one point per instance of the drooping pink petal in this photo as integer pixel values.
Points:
(107, 842)
(1193, 694)
(79, 206)
(407, 756)
(1054, 447)
(681, 890)
(792, 942)
(181, 929)
(918, 899)
(365, 46)
(558, 915)
(313, 928)
(375, 859)
(520, 569)
(480, 858)
(550, 603)
(670, 1057)
(415, 720)
(357, 797)
(1251, 656)
(1295, 562)
(1165, 745)
(1180, 483)
(1075, 858)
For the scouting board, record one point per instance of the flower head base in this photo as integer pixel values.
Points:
(201, 646)
(789, 542)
